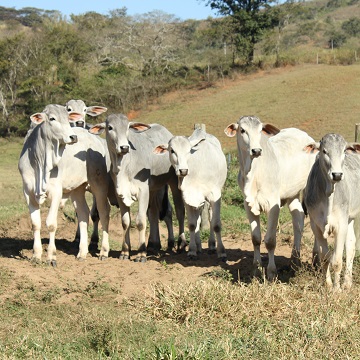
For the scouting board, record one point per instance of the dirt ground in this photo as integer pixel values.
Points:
(130, 278)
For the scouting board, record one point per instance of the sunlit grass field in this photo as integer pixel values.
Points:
(215, 317)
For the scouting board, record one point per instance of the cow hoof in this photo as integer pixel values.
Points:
(124, 257)
(141, 259)
(223, 259)
(211, 251)
(80, 259)
(52, 263)
(103, 257)
(35, 261)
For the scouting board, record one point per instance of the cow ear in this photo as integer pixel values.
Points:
(231, 130)
(269, 129)
(312, 148)
(161, 149)
(37, 118)
(353, 148)
(97, 129)
(74, 116)
(95, 110)
(196, 138)
(139, 127)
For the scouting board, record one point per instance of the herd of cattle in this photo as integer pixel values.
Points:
(63, 157)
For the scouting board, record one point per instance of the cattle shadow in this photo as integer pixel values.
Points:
(238, 267)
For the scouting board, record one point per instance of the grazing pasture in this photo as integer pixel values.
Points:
(171, 307)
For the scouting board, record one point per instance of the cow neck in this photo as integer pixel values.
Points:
(47, 154)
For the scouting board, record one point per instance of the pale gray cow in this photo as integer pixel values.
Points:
(273, 172)
(200, 166)
(139, 175)
(332, 202)
(80, 107)
(39, 159)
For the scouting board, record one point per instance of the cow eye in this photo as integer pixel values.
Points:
(110, 127)
(68, 109)
(242, 131)
(52, 118)
(324, 151)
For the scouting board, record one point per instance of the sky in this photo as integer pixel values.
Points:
(183, 9)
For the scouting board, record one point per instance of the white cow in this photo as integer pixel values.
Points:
(200, 166)
(39, 159)
(139, 175)
(273, 171)
(332, 202)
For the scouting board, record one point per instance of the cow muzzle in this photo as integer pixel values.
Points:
(124, 149)
(183, 172)
(336, 176)
(256, 152)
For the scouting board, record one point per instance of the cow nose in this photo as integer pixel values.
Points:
(256, 152)
(183, 172)
(124, 149)
(337, 176)
(80, 123)
(73, 138)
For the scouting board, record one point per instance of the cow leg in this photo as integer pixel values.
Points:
(95, 217)
(321, 251)
(350, 254)
(125, 222)
(169, 225)
(212, 240)
(51, 223)
(35, 217)
(254, 221)
(154, 244)
(194, 220)
(270, 240)
(141, 225)
(180, 215)
(336, 259)
(82, 211)
(215, 223)
(297, 214)
(103, 209)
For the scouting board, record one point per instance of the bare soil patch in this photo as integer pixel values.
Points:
(129, 279)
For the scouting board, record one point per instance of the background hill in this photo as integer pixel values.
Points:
(316, 98)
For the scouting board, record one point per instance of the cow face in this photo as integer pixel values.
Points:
(57, 123)
(80, 107)
(332, 152)
(180, 149)
(249, 130)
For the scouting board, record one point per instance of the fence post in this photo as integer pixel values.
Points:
(357, 219)
(205, 212)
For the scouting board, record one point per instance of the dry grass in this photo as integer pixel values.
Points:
(315, 98)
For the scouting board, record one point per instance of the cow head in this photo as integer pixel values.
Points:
(180, 149)
(332, 150)
(249, 130)
(57, 123)
(117, 128)
(80, 107)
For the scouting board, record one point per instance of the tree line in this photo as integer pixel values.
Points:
(124, 62)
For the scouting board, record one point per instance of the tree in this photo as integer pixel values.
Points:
(250, 20)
